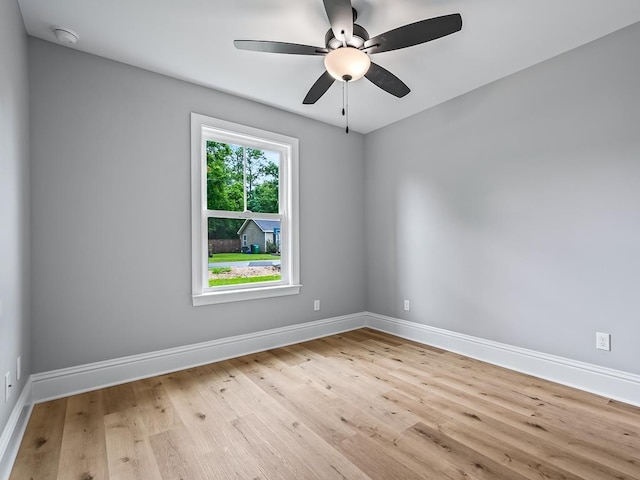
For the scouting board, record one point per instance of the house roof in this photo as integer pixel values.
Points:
(266, 226)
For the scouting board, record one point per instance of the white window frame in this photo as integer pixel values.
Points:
(204, 128)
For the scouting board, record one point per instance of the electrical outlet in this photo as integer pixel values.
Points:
(316, 305)
(407, 306)
(603, 341)
(7, 386)
(18, 368)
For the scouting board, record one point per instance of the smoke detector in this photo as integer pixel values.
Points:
(66, 36)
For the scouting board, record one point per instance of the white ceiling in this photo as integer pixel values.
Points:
(193, 40)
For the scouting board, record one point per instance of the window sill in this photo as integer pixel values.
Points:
(211, 298)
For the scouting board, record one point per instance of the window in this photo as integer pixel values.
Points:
(244, 202)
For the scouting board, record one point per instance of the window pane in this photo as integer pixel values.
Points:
(225, 189)
(242, 178)
(243, 251)
(263, 169)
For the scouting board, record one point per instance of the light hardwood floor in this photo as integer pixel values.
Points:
(352, 406)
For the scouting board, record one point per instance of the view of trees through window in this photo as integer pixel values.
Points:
(242, 179)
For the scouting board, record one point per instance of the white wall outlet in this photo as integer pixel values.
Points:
(603, 341)
(407, 305)
(7, 386)
(18, 368)
(316, 305)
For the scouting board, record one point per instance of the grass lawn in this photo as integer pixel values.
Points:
(234, 281)
(241, 257)
(218, 270)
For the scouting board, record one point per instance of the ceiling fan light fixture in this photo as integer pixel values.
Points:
(347, 63)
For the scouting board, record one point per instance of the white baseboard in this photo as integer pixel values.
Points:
(84, 378)
(603, 381)
(14, 430)
(40, 387)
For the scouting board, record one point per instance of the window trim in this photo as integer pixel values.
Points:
(289, 197)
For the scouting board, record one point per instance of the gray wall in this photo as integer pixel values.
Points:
(513, 213)
(15, 328)
(111, 212)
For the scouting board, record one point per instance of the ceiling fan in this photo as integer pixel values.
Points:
(348, 46)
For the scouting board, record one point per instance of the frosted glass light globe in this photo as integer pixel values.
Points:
(347, 63)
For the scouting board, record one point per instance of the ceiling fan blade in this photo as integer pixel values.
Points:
(414, 33)
(319, 88)
(340, 14)
(279, 47)
(386, 80)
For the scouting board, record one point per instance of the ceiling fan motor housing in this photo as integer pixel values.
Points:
(360, 35)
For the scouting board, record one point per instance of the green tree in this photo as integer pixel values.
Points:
(265, 199)
(217, 176)
(265, 194)
(224, 189)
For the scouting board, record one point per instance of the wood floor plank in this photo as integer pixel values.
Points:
(233, 462)
(229, 388)
(359, 335)
(324, 460)
(543, 440)
(393, 340)
(466, 427)
(625, 407)
(39, 453)
(388, 439)
(378, 462)
(360, 390)
(455, 459)
(176, 458)
(118, 398)
(129, 453)
(288, 357)
(83, 452)
(208, 422)
(318, 407)
(275, 460)
(593, 429)
(358, 405)
(157, 411)
(479, 384)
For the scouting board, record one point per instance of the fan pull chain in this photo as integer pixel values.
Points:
(346, 105)
(345, 100)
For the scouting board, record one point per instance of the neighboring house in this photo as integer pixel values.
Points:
(259, 232)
